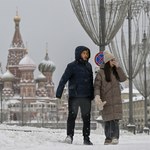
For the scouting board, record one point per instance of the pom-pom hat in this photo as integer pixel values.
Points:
(108, 56)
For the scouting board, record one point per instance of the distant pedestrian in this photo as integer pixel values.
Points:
(108, 96)
(81, 92)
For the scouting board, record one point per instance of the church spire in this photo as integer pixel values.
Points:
(46, 56)
(17, 39)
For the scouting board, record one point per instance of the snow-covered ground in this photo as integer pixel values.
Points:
(31, 138)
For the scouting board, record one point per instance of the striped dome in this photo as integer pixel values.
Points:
(47, 65)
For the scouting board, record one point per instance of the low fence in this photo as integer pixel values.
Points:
(26, 119)
(54, 125)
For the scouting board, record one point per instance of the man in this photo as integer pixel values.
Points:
(79, 74)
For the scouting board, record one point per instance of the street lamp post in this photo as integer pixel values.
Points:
(1, 107)
(22, 109)
(131, 126)
(57, 113)
(146, 129)
(42, 115)
(1, 87)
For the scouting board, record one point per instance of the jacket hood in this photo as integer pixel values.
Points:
(79, 50)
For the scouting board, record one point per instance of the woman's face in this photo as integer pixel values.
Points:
(112, 63)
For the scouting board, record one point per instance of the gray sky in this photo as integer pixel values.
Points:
(42, 21)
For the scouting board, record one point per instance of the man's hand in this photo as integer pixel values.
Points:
(99, 102)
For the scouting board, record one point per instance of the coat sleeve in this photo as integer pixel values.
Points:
(121, 74)
(65, 77)
(92, 87)
(97, 84)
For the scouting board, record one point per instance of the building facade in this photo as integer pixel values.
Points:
(138, 110)
(25, 98)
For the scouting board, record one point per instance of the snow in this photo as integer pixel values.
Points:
(137, 98)
(32, 138)
(8, 75)
(12, 102)
(41, 76)
(26, 61)
(126, 90)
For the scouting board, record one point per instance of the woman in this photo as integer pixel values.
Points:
(108, 96)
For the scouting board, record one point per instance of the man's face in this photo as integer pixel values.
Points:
(85, 55)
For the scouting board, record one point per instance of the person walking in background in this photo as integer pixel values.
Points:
(79, 74)
(108, 96)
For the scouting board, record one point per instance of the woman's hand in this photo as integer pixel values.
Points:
(116, 64)
(99, 102)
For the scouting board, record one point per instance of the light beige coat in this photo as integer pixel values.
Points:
(111, 93)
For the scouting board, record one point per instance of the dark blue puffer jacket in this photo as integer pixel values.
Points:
(79, 75)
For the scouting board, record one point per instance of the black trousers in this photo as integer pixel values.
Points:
(112, 129)
(85, 107)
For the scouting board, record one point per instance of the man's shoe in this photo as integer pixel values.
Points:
(107, 142)
(68, 139)
(87, 141)
(114, 141)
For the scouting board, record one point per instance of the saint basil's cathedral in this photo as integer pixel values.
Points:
(19, 88)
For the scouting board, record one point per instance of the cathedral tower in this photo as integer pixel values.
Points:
(17, 50)
(27, 82)
(47, 67)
